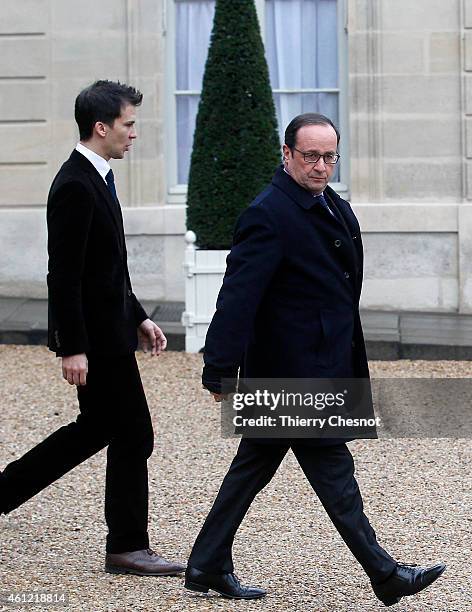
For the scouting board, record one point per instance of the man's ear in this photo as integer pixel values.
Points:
(286, 153)
(100, 128)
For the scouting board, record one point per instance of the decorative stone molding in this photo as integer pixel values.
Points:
(465, 210)
(365, 49)
(466, 15)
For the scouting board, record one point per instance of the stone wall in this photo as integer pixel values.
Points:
(49, 50)
(406, 152)
(410, 112)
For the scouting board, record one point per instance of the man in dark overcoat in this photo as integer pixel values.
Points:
(94, 321)
(289, 308)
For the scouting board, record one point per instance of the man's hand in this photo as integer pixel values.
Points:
(74, 369)
(218, 397)
(152, 336)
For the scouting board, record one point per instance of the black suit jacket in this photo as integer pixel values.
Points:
(92, 308)
(289, 304)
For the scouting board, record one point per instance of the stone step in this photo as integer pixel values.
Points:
(25, 321)
(389, 335)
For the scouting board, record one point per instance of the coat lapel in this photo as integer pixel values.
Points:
(113, 207)
(351, 226)
(348, 218)
(302, 197)
(343, 216)
(305, 199)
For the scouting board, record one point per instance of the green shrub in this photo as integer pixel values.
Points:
(236, 147)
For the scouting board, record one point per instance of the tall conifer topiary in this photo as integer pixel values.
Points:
(236, 147)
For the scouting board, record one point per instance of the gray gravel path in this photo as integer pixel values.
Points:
(417, 494)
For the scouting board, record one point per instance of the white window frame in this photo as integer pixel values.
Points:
(177, 193)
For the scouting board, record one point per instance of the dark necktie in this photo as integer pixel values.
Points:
(110, 179)
(320, 199)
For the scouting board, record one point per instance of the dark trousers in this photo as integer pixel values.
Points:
(113, 412)
(330, 471)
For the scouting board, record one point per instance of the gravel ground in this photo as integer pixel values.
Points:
(417, 494)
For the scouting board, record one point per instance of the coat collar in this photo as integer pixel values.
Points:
(295, 192)
(344, 217)
(99, 163)
(83, 162)
(305, 199)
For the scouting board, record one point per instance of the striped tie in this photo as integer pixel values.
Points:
(320, 199)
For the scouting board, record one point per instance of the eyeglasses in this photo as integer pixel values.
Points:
(313, 158)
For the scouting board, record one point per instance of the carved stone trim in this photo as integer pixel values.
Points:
(133, 74)
(366, 71)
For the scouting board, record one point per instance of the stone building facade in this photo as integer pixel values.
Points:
(405, 110)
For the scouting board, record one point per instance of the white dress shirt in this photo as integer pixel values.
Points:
(99, 163)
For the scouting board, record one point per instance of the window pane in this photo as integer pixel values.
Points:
(290, 105)
(194, 21)
(302, 53)
(187, 107)
(302, 43)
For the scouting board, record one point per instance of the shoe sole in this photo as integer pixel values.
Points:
(391, 602)
(111, 569)
(200, 588)
(395, 600)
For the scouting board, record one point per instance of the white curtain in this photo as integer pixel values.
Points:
(302, 53)
(194, 21)
(301, 43)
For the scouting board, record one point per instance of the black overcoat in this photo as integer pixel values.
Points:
(289, 303)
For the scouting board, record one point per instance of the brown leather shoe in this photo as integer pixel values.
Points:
(141, 563)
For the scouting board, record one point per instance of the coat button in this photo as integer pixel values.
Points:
(129, 292)
(346, 274)
(337, 243)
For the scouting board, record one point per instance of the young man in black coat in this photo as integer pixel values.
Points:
(94, 322)
(288, 309)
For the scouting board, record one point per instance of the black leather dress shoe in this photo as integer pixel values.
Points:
(227, 585)
(407, 579)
